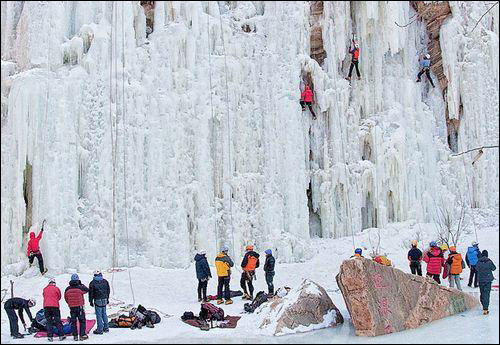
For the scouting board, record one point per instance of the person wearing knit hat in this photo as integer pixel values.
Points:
(74, 297)
(51, 298)
(269, 269)
(485, 268)
(455, 266)
(203, 274)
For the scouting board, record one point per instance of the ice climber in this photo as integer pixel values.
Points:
(249, 264)
(51, 297)
(19, 304)
(203, 274)
(74, 297)
(99, 299)
(358, 253)
(354, 51)
(415, 258)
(306, 98)
(456, 265)
(425, 67)
(34, 250)
(471, 258)
(485, 268)
(435, 260)
(269, 269)
(223, 264)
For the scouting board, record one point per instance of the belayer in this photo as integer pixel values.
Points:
(249, 264)
(354, 51)
(425, 67)
(19, 304)
(306, 98)
(51, 297)
(223, 264)
(34, 249)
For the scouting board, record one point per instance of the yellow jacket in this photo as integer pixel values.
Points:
(223, 264)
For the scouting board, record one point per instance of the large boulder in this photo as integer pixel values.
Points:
(382, 299)
(302, 309)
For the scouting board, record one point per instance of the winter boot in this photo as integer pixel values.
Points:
(486, 312)
(246, 296)
(84, 337)
(44, 271)
(62, 337)
(220, 301)
(50, 339)
(149, 324)
(75, 338)
(97, 332)
(348, 78)
(229, 301)
(17, 336)
(199, 299)
(359, 78)
(106, 330)
(205, 300)
(418, 80)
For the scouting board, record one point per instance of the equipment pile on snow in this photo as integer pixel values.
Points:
(382, 299)
(305, 308)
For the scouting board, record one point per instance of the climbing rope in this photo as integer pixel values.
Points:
(124, 112)
(228, 137)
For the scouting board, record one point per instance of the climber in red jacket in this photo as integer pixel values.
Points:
(306, 98)
(34, 249)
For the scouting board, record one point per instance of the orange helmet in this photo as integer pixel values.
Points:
(453, 249)
(249, 247)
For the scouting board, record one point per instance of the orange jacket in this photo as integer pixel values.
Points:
(455, 261)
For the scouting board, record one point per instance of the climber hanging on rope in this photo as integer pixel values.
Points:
(306, 98)
(354, 51)
(425, 64)
(34, 249)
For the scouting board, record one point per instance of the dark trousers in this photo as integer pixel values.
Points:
(354, 64)
(435, 277)
(202, 288)
(427, 72)
(53, 316)
(309, 104)
(416, 267)
(223, 284)
(246, 278)
(473, 275)
(77, 313)
(269, 281)
(11, 314)
(38, 255)
(485, 289)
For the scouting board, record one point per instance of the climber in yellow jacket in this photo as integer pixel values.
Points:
(223, 264)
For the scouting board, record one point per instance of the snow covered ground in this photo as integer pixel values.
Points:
(173, 291)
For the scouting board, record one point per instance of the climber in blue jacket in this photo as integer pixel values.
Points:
(425, 67)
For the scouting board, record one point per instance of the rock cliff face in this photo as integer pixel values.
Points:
(318, 52)
(382, 299)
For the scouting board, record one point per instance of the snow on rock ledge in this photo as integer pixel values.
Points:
(383, 300)
(303, 309)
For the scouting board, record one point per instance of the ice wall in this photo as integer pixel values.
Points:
(193, 137)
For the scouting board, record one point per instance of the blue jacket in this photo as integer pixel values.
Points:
(484, 268)
(472, 256)
(202, 268)
(425, 63)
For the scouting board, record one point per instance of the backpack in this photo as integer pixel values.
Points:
(154, 317)
(211, 312)
(122, 321)
(259, 299)
(188, 315)
(251, 264)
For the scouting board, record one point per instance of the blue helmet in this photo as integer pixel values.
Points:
(268, 251)
(358, 251)
(74, 276)
(433, 244)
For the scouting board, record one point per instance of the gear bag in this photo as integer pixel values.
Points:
(211, 312)
(251, 264)
(259, 299)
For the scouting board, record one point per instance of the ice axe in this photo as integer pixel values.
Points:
(43, 223)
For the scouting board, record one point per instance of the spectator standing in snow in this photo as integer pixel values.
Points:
(471, 258)
(203, 274)
(74, 297)
(99, 298)
(485, 268)
(51, 297)
(415, 258)
(269, 269)
(456, 265)
(435, 260)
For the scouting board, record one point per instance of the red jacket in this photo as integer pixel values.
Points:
(33, 243)
(74, 294)
(435, 260)
(307, 95)
(355, 54)
(51, 296)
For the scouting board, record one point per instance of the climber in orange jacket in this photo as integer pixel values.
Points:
(354, 60)
(33, 249)
(306, 98)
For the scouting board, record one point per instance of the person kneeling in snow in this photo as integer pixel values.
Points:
(435, 260)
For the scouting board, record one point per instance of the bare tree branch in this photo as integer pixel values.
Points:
(496, 3)
(475, 149)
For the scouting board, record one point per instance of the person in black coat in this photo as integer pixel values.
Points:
(99, 297)
(415, 259)
(269, 269)
(485, 268)
(203, 274)
(19, 304)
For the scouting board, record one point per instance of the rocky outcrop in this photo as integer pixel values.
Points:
(149, 11)
(382, 299)
(316, 39)
(304, 308)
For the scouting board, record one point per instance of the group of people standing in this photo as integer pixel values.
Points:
(223, 265)
(481, 267)
(98, 291)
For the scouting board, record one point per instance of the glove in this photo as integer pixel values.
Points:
(91, 304)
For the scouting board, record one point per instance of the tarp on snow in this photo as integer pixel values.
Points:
(88, 327)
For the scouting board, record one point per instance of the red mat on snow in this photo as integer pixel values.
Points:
(88, 327)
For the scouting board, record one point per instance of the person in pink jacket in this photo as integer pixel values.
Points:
(51, 297)
(435, 260)
(33, 250)
(306, 98)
